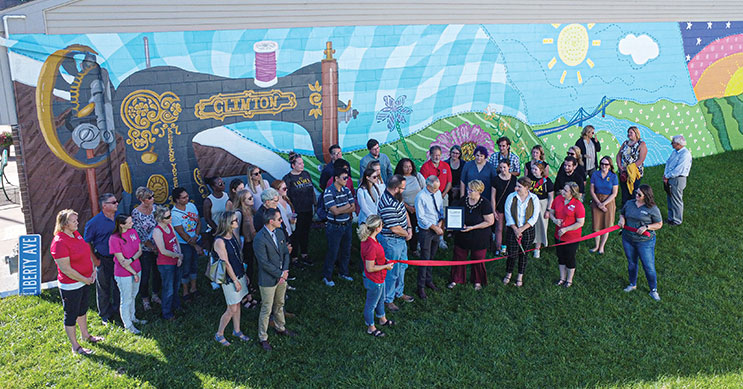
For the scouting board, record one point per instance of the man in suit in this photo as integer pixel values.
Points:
(272, 254)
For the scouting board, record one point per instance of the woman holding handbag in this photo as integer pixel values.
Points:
(235, 287)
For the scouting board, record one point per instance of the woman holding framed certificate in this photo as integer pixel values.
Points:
(473, 239)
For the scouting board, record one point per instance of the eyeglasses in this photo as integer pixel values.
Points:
(249, 198)
(604, 164)
(257, 174)
(375, 176)
(343, 178)
(149, 197)
(112, 202)
(234, 220)
(282, 189)
(166, 217)
(639, 194)
(278, 219)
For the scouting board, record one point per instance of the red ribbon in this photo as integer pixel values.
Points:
(471, 262)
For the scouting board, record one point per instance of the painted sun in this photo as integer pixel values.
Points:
(572, 48)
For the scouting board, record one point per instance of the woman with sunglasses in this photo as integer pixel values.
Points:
(144, 224)
(246, 231)
(169, 260)
(227, 247)
(301, 196)
(256, 185)
(286, 208)
(369, 192)
(643, 218)
(604, 189)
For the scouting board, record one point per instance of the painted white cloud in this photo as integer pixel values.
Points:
(642, 48)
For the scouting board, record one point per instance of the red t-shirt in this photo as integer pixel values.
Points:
(77, 250)
(443, 172)
(568, 213)
(127, 244)
(371, 250)
(171, 243)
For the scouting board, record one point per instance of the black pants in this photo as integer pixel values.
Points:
(566, 254)
(514, 250)
(626, 195)
(75, 304)
(106, 289)
(413, 242)
(301, 236)
(149, 272)
(429, 246)
(249, 261)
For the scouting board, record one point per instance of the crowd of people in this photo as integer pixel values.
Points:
(260, 230)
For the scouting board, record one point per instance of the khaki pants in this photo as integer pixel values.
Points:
(272, 302)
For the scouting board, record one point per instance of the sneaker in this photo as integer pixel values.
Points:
(134, 330)
(630, 288)
(291, 278)
(289, 287)
(139, 321)
(391, 307)
(654, 294)
(443, 245)
(536, 253)
(215, 286)
(327, 282)
(345, 277)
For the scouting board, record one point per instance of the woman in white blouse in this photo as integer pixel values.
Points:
(370, 190)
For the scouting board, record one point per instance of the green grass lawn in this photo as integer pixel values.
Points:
(540, 335)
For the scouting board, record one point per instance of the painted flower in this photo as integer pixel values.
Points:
(467, 137)
(394, 112)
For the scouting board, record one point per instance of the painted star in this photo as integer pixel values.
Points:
(727, 25)
(699, 41)
(709, 25)
(688, 25)
(688, 58)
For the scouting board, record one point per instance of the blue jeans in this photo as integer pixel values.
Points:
(339, 244)
(374, 301)
(170, 275)
(394, 249)
(646, 253)
(188, 267)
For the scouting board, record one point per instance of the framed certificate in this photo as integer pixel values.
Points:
(454, 218)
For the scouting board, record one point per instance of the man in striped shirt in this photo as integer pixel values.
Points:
(395, 232)
(338, 201)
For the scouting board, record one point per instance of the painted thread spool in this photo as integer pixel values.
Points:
(265, 63)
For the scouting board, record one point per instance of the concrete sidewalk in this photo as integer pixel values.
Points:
(11, 227)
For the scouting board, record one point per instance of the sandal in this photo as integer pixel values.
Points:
(593, 250)
(221, 340)
(82, 351)
(94, 339)
(241, 336)
(506, 280)
(376, 333)
(388, 323)
(519, 283)
(559, 282)
(567, 284)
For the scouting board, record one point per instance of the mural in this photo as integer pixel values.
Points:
(111, 112)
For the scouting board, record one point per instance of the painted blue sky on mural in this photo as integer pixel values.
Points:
(442, 69)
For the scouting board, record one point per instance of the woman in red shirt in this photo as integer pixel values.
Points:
(125, 246)
(375, 270)
(568, 214)
(169, 261)
(74, 275)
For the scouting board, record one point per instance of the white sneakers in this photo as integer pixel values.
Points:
(653, 293)
(536, 253)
